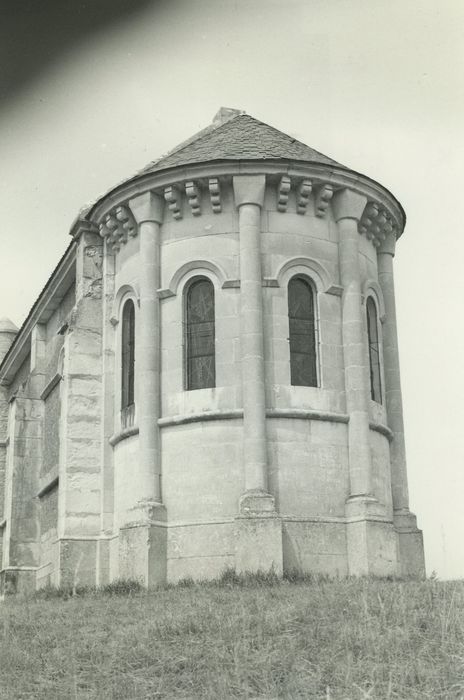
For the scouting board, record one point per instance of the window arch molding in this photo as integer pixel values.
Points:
(316, 273)
(313, 371)
(126, 291)
(195, 268)
(199, 330)
(372, 288)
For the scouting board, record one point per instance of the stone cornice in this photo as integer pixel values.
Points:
(221, 414)
(320, 176)
(307, 414)
(123, 434)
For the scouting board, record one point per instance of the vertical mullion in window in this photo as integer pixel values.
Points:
(374, 350)
(200, 336)
(128, 354)
(302, 336)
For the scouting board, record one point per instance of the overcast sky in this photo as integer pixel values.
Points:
(377, 85)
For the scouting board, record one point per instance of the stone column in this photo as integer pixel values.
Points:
(371, 544)
(410, 538)
(249, 194)
(394, 406)
(259, 530)
(148, 212)
(348, 208)
(143, 543)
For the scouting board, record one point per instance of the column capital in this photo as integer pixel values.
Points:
(388, 245)
(147, 207)
(249, 189)
(347, 204)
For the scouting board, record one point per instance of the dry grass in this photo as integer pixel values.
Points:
(333, 640)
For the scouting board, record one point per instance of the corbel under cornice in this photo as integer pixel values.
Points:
(309, 179)
(376, 223)
(117, 227)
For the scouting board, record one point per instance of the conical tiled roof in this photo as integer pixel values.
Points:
(239, 137)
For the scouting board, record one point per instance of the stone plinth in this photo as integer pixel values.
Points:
(258, 535)
(142, 548)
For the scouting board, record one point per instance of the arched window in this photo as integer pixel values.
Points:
(200, 361)
(374, 350)
(303, 365)
(127, 355)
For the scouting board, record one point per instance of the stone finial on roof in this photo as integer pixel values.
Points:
(7, 326)
(8, 333)
(225, 114)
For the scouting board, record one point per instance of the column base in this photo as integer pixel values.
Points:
(258, 535)
(410, 544)
(364, 506)
(143, 547)
(371, 538)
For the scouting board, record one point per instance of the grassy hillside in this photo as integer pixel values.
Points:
(337, 640)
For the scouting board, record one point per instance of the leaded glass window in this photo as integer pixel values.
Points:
(127, 354)
(200, 335)
(374, 350)
(303, 364)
